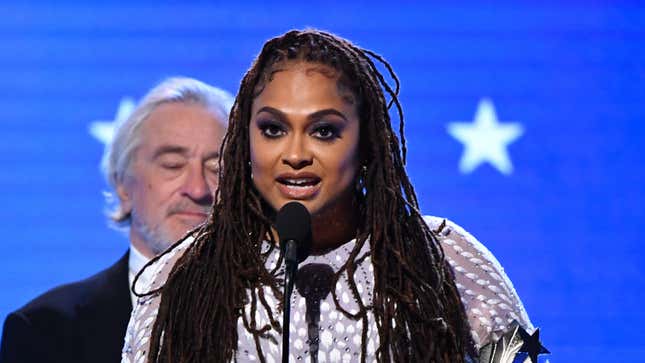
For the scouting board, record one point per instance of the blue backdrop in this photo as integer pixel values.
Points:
(525, 126)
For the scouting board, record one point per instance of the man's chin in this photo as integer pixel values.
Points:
(185, 225)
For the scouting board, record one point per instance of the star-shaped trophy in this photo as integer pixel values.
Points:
(516, 346)
(532, 345)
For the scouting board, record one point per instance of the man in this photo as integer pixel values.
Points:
(163, 166)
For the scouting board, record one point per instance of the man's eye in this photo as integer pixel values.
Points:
(171, 166)
(171, 163)
(212, 166)
(326, 132)
(271, 130)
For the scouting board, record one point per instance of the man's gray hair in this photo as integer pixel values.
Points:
(120, 150)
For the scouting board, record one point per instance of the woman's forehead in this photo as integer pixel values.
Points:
(306, 66)
(308, 69)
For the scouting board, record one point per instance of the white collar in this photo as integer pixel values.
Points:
(136, 261)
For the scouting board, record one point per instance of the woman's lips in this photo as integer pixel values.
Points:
(299, 188)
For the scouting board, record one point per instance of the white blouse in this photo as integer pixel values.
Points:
(488, 295)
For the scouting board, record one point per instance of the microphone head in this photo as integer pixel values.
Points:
(293, 222)
(314, 281)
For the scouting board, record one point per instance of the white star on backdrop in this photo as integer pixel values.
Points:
(485, 139)
(104, 130)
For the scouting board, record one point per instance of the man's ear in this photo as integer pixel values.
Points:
(125, 199)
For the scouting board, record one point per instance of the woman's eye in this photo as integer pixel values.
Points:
(325, 132)
(271, 130)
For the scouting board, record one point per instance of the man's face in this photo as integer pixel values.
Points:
(172, 176)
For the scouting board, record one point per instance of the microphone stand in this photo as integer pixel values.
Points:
(291, 267)
(293, 224)
(314, 283)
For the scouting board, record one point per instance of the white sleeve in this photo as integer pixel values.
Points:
(489, 298)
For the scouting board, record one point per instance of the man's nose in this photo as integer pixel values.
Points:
(196, 186)
(297, 153)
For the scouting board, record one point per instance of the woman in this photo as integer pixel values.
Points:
(311, 124)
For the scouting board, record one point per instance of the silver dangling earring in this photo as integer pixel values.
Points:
(360, 181)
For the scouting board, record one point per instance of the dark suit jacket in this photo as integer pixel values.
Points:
(83, 321)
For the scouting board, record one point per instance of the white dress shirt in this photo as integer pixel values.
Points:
(136, 261)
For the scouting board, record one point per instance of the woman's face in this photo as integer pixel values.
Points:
(304, 135)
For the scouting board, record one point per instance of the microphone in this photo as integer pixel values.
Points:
(314, 283)
(293, 224)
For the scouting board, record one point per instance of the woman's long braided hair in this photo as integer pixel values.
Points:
(416, 306)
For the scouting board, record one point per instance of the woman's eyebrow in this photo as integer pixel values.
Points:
(325, 112)
(273, 111)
